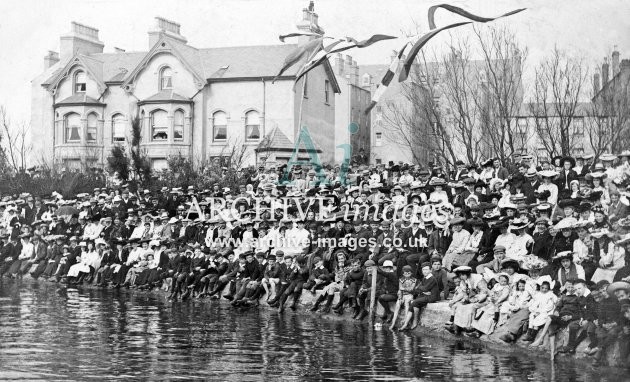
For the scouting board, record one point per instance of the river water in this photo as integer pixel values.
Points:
(49, 332)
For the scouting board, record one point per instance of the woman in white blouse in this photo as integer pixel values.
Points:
(547, 184)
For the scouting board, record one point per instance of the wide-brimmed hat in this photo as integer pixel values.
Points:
(563, 255)
(564, 203)
(437, 181)
(517, 224)
(463, 269)
(607, 157)
(507, 263)
(600, 232)
(548, 173)
(533, 263)
(531, 172)
(618, 285)
(546, 278)
(457, 220)
(566, 223)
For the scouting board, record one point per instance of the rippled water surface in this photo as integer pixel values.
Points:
(49, 332)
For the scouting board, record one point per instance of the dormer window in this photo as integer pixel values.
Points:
(166, 78)
(79, 82)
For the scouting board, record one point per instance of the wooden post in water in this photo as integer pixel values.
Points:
(373, 295)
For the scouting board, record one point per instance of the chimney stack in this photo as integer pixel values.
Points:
(81, 39)
(605, 72)
(50, 59)
(339, 64)
(615, 61)
(309, 23)
(596, 85)
(625, 65)
(166, 27)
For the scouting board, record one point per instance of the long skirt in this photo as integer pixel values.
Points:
(603, 274)
(464, 314)
(485, 323)
(15, 267)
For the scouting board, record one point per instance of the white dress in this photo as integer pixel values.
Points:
(609, 263)
(541, 307)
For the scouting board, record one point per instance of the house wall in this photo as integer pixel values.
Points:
(273, 102)
(317, 115)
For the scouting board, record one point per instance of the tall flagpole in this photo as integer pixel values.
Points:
(302, 102)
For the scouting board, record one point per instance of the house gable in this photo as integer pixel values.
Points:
(92, 67)
(187, 56)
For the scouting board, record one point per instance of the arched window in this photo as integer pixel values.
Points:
(92, 121)
(219, 126)
(166, 78)
(159, 125)
(72, 128)
(118, 128)
(178, 125)
(79, 82)
(252, 125)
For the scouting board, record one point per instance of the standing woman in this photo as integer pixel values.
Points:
(608, 256)
(548, 185)
(597, 178)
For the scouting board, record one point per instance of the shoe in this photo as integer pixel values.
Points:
(362, 315)
(228, 297)
(474, 334)
(508, 337)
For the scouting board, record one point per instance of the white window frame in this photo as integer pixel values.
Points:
(158, 129)
(66, 129)
(215, 126)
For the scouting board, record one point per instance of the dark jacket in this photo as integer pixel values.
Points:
(428, 287)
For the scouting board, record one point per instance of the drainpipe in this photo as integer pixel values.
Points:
(54, 124)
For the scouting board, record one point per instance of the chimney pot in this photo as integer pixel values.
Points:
(625, 64)
(81, 39)
(615, 61)
(605, 68)
(50, 59)
(596, 85)
(166, 27)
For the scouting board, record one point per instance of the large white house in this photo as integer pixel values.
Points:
(196, 102)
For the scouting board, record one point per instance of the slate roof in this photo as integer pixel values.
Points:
(78, 98)
(212, 63)
(275, 140)
(166, 95)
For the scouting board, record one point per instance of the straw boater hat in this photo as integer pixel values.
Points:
(531, 172)
(462, 269)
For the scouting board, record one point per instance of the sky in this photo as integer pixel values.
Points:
(29, 28)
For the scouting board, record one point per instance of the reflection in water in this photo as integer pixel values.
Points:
(53, 333)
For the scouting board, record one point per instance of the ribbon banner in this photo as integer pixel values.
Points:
(466, 14)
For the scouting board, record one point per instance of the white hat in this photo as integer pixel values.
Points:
(388, 263)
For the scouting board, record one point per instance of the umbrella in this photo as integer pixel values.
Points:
(66, 210)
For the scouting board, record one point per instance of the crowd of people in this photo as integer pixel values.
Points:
(529, 249)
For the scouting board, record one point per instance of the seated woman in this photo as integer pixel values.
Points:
(568, 269)
(583, 250)
(458, 244)
(471, 289)
(609, 257)
(487, 312)
(522, 243)
(77, 271)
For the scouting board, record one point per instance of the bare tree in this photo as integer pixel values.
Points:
(558, 86)
(501, 79)
(15, 145)
(457, 107)
(607, 124)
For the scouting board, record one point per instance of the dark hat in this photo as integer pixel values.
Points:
(510, 263)
(564, 203)
(568, 159)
